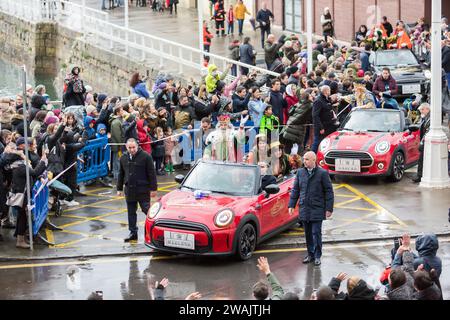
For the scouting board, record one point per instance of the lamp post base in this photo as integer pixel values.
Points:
(435, 166)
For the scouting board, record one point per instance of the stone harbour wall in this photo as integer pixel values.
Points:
(52, 50)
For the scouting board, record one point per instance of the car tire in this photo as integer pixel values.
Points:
(246, 242)
(398, 167)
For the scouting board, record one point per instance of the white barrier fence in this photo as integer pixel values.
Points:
(99, 31)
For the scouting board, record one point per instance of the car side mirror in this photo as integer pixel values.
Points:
(413, 127)
(179, 178)
(272, 189)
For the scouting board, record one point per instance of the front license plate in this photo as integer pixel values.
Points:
(179, 240)
(410, 88)
(348, 165)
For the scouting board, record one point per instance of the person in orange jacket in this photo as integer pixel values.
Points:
(403, 41)
(207, 36)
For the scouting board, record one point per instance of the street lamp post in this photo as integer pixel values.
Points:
(200, 29)
(435, 162)
(309, 29)
(126, 25)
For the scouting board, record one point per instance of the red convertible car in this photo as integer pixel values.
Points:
(371, 142)
(219, 209)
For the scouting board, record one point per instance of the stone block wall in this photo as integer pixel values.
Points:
(17, 41)
(52, 50)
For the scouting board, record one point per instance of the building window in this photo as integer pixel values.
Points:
(293, 15)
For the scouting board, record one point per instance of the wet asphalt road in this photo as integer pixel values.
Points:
(214, 278)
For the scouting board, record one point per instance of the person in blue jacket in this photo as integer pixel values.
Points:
(313, 191)
(138, 86)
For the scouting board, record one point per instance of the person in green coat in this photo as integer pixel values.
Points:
(117, 136)
(269, 124)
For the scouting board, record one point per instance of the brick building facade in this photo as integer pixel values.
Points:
(349, 14)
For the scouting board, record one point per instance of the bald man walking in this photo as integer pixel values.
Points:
(313, 187)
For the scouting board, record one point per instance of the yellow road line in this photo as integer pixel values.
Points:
(96, 203)
(359, 209)
(353, 221)
(338, 187)
(50, 238)
(100, 195)
(386, 243)
(101, 207)
(376, 205)
(92, 218)
(345, 195)
(72, 216)
(337, 205)
(394, 226)
(96, 189)
(289, 234)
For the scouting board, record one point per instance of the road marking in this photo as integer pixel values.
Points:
(288, 234)
(96, 203)
(359, 209)
(93, 218)
(50, 238)
(345, 195)
(97, 189)
(353, 221)
(376, 205)
(337, 205)
(385, 243)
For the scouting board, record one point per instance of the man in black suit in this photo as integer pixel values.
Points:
(313, 191)
(138, 175)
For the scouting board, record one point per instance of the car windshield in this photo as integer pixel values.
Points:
(372, 121)
(226, 179)
(394, 58)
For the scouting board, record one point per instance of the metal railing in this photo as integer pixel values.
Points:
(97, 30)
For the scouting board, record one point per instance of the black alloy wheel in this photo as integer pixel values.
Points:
(246, 242)
(398, 167)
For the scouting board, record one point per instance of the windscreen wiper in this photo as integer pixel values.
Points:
(374, 130)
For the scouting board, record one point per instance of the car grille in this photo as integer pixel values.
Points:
(365, 157)
(183, 226)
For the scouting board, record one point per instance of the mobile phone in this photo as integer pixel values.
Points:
(396, 244)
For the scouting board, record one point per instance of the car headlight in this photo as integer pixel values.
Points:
(223, 218)
(154, 210)
(427, 74)
(382, 147)
(324, 145)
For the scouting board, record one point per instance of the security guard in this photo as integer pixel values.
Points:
(138, 175)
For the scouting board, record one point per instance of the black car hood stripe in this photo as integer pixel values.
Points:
(371, 141)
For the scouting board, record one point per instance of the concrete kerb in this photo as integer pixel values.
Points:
(142, 250)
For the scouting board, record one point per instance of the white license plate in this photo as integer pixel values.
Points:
(179, 240)
(410, 88)
(348, 165)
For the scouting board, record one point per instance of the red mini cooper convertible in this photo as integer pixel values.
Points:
(219, 209)
(371, 142)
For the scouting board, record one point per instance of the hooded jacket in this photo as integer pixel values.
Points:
(427, 246)
(211, 80)
(144, 138)
(100, 127)
(90, 132)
